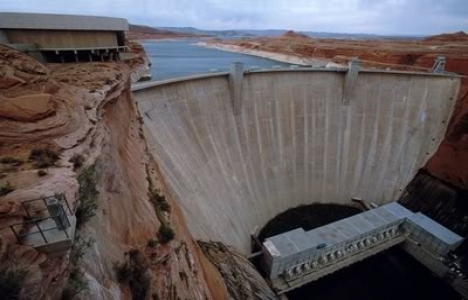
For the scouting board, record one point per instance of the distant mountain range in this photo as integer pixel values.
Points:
(146, 32)
(240, 33)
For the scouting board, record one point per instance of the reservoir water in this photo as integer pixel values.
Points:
(170, 59)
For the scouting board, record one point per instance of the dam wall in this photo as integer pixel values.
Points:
(294, 141)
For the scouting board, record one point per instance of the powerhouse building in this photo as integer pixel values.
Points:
(64, 38)
(297, 252)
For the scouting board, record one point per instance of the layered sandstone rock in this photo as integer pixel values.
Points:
(87, 110)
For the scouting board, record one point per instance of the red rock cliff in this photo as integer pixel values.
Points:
(84, 113)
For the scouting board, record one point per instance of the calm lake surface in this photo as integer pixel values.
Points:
(170, 59)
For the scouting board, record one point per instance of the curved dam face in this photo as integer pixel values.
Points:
(293, 141)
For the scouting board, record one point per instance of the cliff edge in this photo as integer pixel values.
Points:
(131, 239)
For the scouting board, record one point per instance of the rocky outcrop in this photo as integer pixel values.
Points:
(41, 276)
(242, 279)
(17, 69)
(138, 61)
(459, 36)
(150, 33)
(439, 200)
(290, 34)
(87, 111)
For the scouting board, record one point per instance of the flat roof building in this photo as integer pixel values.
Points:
(296, 257)
(64, 38)
(296, 246)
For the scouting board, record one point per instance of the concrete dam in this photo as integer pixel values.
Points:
(238, 148)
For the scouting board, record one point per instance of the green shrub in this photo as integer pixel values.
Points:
(87, 195)
(11, 282)
(6, 189)
(79, 249)
(11, 160)
(165, 206)
(76, 281)
(77, 160)
(134, 272)
(165, 233)
(76, 284)
(43, 157)
(156, 197)
(159, 201)
(152, 243)
(122, 271)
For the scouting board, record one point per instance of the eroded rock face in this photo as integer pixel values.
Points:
(87, 110)
(138, 60)
(242, 279)
(450, 162)
(42, 275)
(26, 107)
(17, 68)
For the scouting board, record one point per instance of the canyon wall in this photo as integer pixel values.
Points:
(85, 115)
(294, 142)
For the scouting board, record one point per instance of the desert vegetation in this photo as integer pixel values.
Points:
(134, 272)
(87, 195)
(43, 157)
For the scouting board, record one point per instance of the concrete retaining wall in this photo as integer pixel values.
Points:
(294, 142)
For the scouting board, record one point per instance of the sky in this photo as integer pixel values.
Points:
(388, 17)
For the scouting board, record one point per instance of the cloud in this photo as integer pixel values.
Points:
(409, 17)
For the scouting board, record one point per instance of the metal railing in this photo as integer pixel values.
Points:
(35, 222)
(61, 197)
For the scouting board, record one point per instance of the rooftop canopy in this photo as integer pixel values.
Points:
(61, 22)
